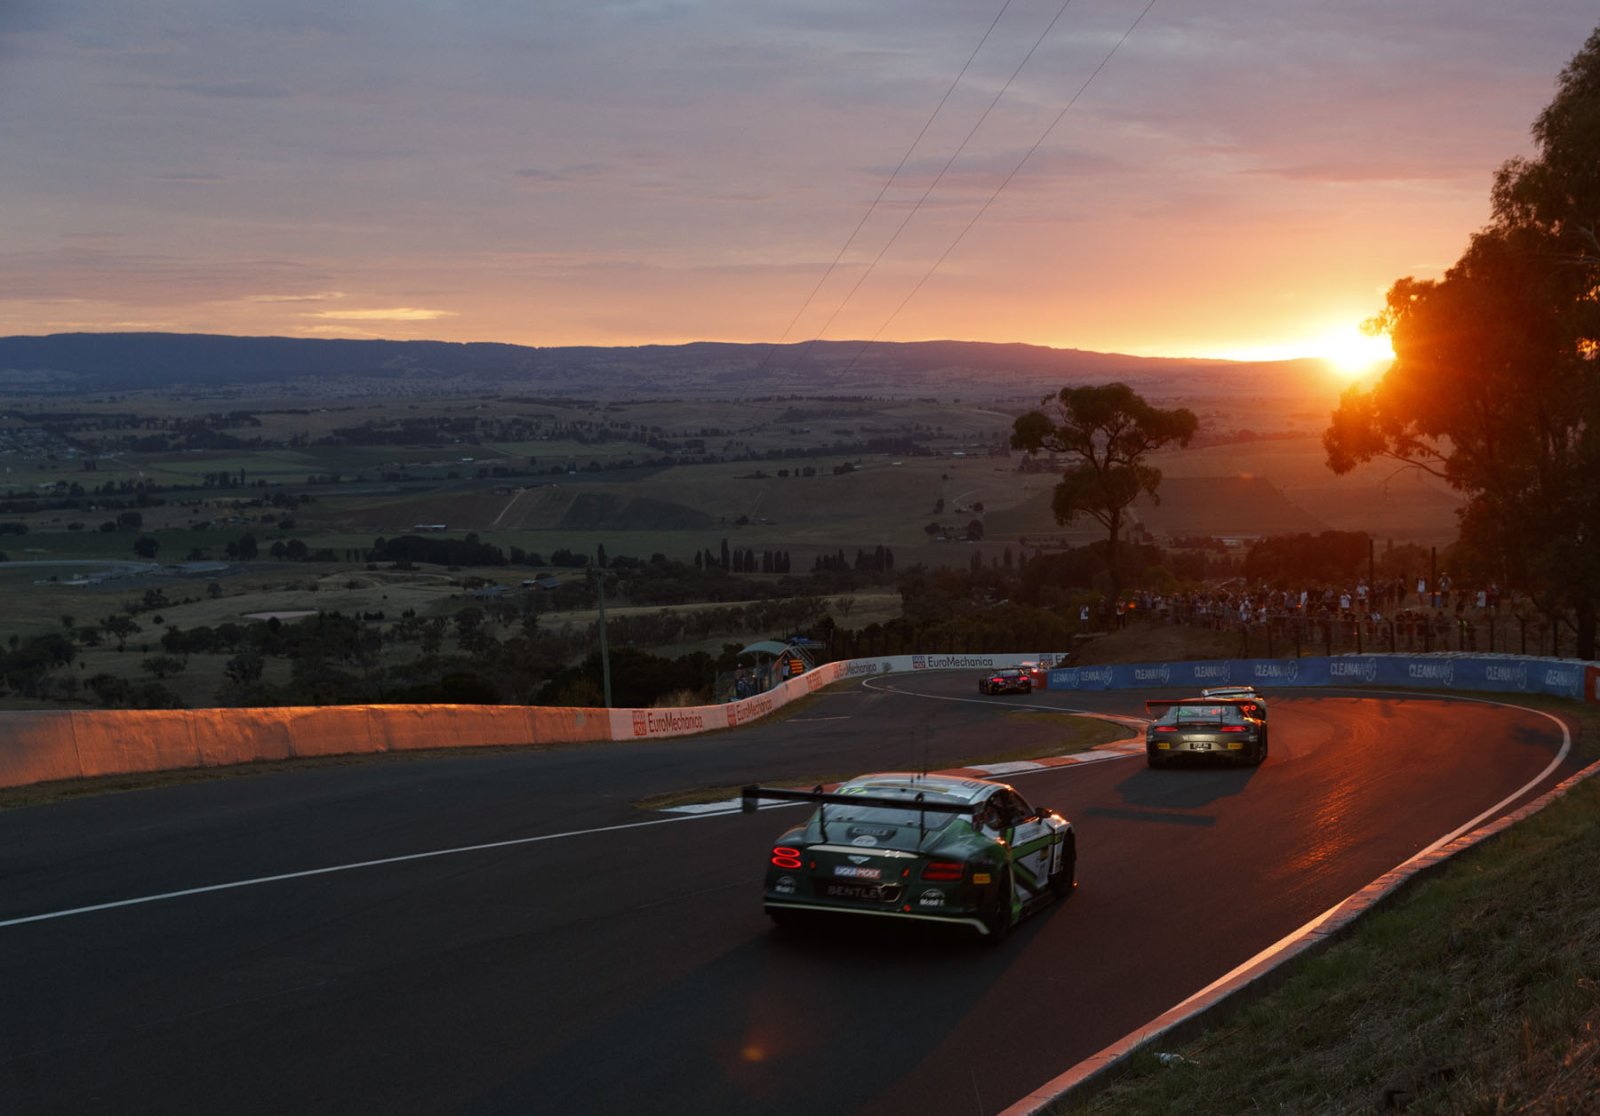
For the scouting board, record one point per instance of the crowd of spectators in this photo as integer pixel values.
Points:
(1388, 615)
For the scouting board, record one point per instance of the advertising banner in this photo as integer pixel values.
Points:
(1558, 678)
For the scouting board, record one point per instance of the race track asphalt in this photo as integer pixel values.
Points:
(548, 948)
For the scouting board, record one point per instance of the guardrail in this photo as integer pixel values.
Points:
(51, 745)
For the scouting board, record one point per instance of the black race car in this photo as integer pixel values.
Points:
(1008, 680)
(1231, 728)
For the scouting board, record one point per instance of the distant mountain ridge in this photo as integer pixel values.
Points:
(70, 363)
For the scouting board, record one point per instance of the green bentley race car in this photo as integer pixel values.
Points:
(927, 848)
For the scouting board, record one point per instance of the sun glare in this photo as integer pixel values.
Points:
(1351, 354)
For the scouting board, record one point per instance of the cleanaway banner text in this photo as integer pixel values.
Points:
(1558, 678)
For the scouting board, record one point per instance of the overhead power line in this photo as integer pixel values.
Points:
(933, 185)
(1015, 170)
(884, 189)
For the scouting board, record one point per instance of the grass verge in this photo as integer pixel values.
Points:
(1476, 990)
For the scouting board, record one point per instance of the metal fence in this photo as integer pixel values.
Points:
(1486, 631)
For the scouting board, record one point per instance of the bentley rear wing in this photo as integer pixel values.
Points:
(752, 796)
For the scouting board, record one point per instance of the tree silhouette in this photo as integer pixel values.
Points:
(163, 666)
(1495, 385)
(243, 669)
(119, 628)
(1108, 431)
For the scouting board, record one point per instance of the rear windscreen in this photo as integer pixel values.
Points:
(1202, 714)
(888, 816)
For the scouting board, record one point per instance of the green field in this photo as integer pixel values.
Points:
(555, 490)
(808, 479)
(762, 502)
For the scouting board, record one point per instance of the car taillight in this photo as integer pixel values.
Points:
(1166, 728)
(785, 857)
(1232, 728)
(943, 870)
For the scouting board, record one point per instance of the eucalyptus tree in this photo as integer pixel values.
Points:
(1106, 432)
(1495, 385)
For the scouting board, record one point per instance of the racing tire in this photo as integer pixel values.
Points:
(1259, 756)
(997, 920)
(1064, 881)
(785, 922)
(1155, 761)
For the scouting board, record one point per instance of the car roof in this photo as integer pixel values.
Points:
(910, 782)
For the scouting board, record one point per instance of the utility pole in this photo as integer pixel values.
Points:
(605, 651)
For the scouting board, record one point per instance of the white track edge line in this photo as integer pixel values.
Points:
(1296, 940)
(258, 880)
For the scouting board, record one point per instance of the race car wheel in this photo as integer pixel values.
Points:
(1151, 759)
(1259, 755)
(1062, 882)
(997, 919)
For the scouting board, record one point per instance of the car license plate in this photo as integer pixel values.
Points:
(1200, 745)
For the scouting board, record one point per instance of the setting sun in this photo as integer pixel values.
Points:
(1351, 353)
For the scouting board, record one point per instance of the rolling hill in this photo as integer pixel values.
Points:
(78, 363)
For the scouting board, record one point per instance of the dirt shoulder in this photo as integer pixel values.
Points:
(1157, 643)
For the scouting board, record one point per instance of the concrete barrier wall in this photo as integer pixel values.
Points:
(649, 724)
(144, 740)
(45, 746)
(37, 747)
(641, 724)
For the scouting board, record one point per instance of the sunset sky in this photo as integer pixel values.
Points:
(1240, 178)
